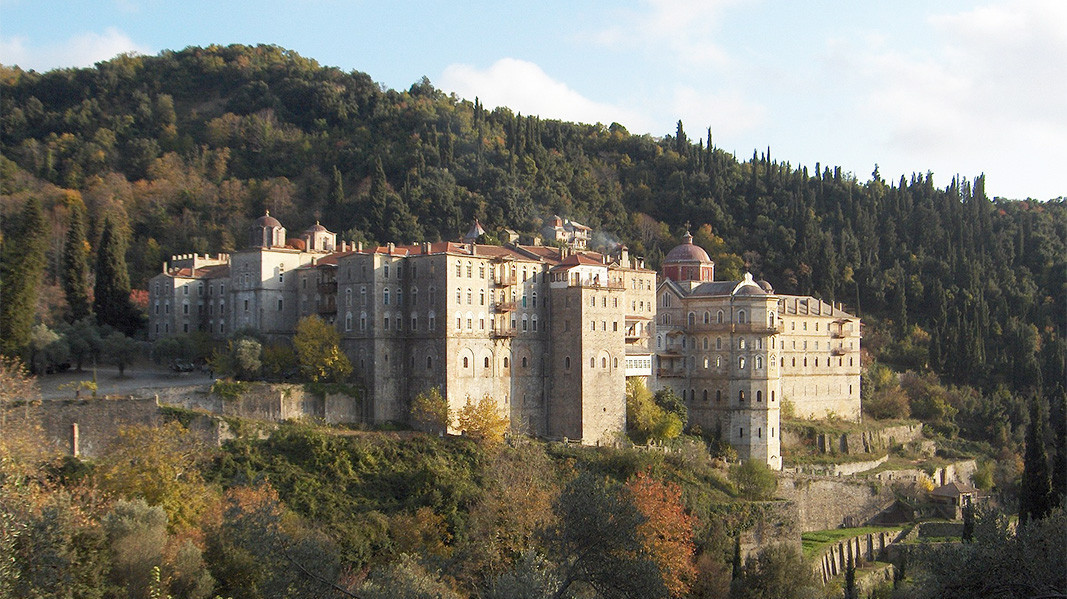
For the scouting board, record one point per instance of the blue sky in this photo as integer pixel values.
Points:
(950, 87)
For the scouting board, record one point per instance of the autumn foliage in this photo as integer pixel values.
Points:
(667, 532)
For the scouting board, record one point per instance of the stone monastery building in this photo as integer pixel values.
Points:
(551, 334)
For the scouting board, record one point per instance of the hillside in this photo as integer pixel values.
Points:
(183, 149)
(188, 146)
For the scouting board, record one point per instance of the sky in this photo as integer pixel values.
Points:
(951, 87)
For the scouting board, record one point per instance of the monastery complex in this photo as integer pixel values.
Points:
(552, 333)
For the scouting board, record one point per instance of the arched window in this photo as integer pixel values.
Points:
(487, 357)
(524, 361)
(741, 343)
(705, 395)
(385, 297)
(719, 317)
(592, 362)
(470, 296)
(707, 317)
(567, 362)
(399, 296)
(741, 396)
(481, 297)
(718, 343)
(533, 321)
(603, 362)
(614, 362)
(705, 343)
(525, 323)
(707, 362)
(414, 296)
(348, 297)
(363, 321)
(429, 362)
(741, 362)
(505, 361)
(772, 395)
(692, 319)
(348, 321)
(759, 361)
(759, 396)
(741, 317)
(718, 395)
(466, 363)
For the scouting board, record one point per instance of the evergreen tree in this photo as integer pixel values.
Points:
(1035, 500)
(337, 192)
(112, 303)
(76, 265)
(22, 262)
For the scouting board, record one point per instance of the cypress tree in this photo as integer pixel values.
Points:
(1035, 496)
(76, 265)
(22, 262)
(112, 292)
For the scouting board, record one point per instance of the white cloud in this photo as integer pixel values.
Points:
(524, 87)
(81, 50)
(686, 28)
(986, 96)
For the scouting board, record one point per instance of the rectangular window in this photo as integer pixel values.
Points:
(281, 304)
(386, 271)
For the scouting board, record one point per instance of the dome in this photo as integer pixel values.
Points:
(750, 290)
(267, 221)
(687, 252)
(764, 285)
(316, 228)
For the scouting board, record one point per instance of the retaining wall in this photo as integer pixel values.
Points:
(869, 547)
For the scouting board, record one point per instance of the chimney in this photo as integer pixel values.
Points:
(360, 246)
(624, 257)
(391, 247)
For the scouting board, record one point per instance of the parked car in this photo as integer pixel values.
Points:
(181, 366)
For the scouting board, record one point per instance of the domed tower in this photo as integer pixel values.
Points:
(688, 263)
(267, 232)
(318, 238)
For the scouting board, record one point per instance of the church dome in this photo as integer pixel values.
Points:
(687, 252)
(267, 221)
(764, 285)
(316, 228)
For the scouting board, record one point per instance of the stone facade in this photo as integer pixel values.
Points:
(735, 350)
(549, 333)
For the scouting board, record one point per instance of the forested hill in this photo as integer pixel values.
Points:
(186, 147)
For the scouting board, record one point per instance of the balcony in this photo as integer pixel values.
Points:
(501, 334)
(503, 281)
(838, 351)
(669, 373)
(837, 335)
(328, 287)
(503, 306)
(327, 308)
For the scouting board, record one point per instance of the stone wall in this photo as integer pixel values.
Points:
(872, 440)
(845, 469)
(867, 547)
(265, 401)
(86, 427)
(824, 503)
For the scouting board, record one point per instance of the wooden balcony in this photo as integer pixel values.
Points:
(503, 306)
(501, 334)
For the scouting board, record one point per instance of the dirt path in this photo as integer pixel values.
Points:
(108, 381)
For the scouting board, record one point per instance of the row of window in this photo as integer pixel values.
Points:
(718, 396)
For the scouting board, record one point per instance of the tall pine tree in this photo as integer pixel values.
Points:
(112, 292)
(76, 265)
(22, 262)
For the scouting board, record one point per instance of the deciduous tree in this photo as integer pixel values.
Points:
(482, 420)
(318, 348)
(667, 532)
